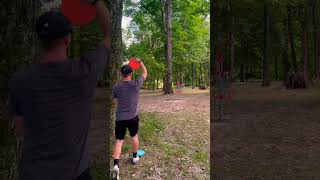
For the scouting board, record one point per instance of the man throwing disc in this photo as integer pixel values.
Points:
(127, 94)
(51, 102)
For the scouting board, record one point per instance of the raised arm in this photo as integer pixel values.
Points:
(104, 21)
(144, 70)
(99, 59)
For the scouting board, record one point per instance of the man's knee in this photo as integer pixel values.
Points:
(119, 141)
(135, 137)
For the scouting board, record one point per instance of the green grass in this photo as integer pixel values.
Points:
(201, 156)
(99, 170)
(126, 148)
(163, 145)
(150, 127)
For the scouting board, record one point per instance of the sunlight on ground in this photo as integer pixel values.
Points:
(174, 132)
(188, 90)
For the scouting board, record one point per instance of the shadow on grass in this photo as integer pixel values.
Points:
(99, 171)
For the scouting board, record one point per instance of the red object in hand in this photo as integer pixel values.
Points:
(134, 63)
(78, 12)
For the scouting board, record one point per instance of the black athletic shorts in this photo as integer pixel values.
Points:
(121, 127)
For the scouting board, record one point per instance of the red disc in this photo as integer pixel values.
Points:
(134, 63)
(78, 12)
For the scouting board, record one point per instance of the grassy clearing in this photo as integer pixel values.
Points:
(172, 148)
(174, 132)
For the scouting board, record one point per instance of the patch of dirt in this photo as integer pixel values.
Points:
(197, 102)
(271, 133)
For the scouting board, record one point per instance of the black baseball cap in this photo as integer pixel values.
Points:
(53, 25)
(126, 69)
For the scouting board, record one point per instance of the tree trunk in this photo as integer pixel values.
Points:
(164, 83)
(157, 83)
(318, 55)
(251, 73)
(193, 75)
(241, 73)
(276, 67)
(205, 74)
(316, 37)
(292, 42)
(197, 77)
(232, 55)
(209, 73)
(304, 45)
(267, 44)
(246, 73)
(201, 73)
(18, 48)
(168, 28)
(116, 38)
(182, 77)
(285, 54)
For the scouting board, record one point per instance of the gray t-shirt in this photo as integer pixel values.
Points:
(127, 95)
(55, 102)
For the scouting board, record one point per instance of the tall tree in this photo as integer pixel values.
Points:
(116, 38)
(19, 48)
(232, 63)
(292, 40)
(285, 54)
(267, 44)
(168, 29)
(116, 8)
(193, 75)
(304, 41)
(316, 35)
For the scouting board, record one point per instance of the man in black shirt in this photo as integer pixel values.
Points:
(51, 102)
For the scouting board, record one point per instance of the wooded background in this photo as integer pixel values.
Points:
(172, 38)
(269, 40)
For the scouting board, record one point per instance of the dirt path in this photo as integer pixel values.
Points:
(174, 134)
(191, 101)
(269, 133)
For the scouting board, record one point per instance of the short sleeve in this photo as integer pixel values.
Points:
(139, 81)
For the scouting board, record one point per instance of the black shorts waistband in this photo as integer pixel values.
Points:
(135, 118)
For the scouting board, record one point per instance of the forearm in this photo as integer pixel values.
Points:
(144, 69)
(104, 21)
